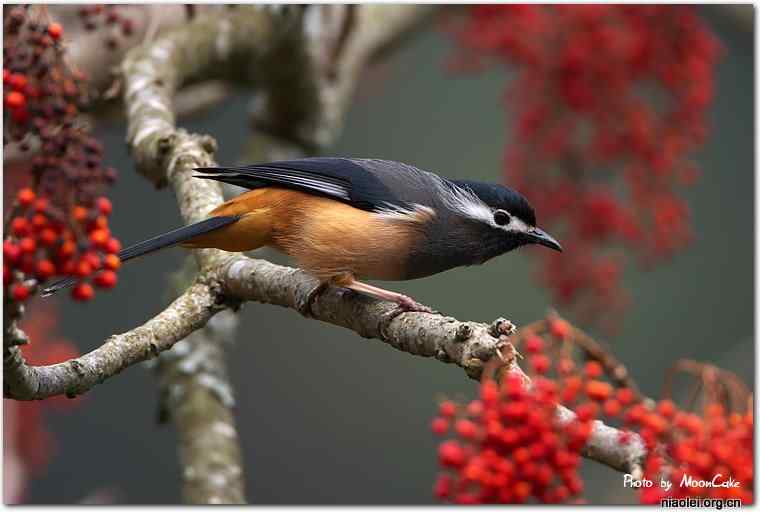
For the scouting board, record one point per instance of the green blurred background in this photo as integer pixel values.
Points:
(327, 417)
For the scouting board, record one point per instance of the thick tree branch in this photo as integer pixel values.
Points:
(467, 344)
(186, 314)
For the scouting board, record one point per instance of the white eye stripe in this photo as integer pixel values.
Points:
(465, 201)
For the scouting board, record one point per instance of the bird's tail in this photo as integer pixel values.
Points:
(159, 242)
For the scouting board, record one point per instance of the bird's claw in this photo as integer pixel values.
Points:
(407, 304)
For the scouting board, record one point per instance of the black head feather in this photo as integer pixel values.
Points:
(501, 197)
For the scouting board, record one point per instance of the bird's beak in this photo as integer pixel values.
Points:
(539, 236)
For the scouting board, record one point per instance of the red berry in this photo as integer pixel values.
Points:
(79, 213)
(55, 30)
(475, 408)
(45, 269)
(586, 411)
(67, 249)
(11, 252)
(438, 426)
(111, 261)
(466, 429)
(20, 227)
(19, 292)
(442, 488)
(106, 279)
(612, 407)
(7, 275)
(667, 408)
(83, 292)
(559, 328)
(99, 237)
(447, 409)
(48, 236)
(594, 369)
(17, 81)
(39, 221)
(625, 396)
(94, 260)
(533, 344)
(489, 392)
(27, 245)
(100, 223)
(598, 390)
(26, 197)
(450, 454)
(521, 455)
(83, 268)
(15, 100)
(104, 205)
(113, 245)
(41, 204)
(540, 363)
(565, 366)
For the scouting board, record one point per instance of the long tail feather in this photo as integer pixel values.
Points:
(159, 242)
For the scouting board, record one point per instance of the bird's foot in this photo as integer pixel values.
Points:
(407, 304)
(404, 302)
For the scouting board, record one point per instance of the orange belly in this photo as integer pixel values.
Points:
(327, 238)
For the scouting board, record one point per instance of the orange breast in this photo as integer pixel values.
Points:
(329, 238)
(326, 237)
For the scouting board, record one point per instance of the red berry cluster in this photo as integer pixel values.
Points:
(509, 445)
(42, 245)
(58, 225)
(709, 456)
(615, 91)
(109, 16)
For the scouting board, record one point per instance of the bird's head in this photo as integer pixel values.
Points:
(505, 216)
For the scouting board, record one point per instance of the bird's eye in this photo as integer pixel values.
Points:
(501, 217)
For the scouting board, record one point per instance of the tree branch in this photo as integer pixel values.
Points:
(186, 314)
(467, 344)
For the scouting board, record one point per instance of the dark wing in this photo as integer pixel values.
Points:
(367, 184)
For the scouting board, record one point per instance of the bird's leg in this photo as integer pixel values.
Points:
(405, 303)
